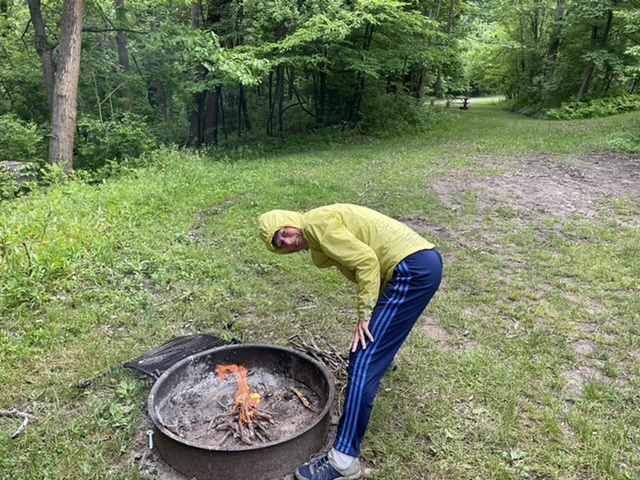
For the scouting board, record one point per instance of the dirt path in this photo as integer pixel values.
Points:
(558, 186)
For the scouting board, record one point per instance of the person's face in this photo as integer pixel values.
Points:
(289, 239)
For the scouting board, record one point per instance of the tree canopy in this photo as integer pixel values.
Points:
(225, 71)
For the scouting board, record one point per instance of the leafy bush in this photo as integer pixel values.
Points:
(20, 141)
(602, 107)
(391, 115)
(99, 142)
(626, 142)
(17, 180)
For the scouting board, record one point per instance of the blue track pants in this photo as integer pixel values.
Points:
(415, 281)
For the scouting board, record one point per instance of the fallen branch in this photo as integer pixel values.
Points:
(331, 357)
(13, 413)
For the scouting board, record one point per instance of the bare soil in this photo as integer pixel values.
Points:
(549, 189)
(558, 186)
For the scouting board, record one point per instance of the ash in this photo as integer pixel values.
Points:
(202, 402)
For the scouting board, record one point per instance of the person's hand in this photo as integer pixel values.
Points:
(360, 336)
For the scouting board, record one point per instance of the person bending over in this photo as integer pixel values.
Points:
(396, 271)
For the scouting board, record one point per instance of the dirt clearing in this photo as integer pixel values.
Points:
(558, 186)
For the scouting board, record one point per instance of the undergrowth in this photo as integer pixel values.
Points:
(601, 107)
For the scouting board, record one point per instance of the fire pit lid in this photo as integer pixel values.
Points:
(155, 362)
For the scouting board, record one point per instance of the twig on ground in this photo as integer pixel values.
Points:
(336, 362)
(13, 413)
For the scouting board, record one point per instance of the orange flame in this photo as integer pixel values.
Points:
(245, 401)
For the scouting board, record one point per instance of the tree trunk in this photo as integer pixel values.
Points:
(212, 116)
(276, 101)
(65, 95)
(44, 49)
(243, 112)
(591, 67)
(554, 45)
(586, 80)
(437, 89)
(123, 55)
(221, 116)
(323, 96)
(356, 104)
(420, 70)
(419, 83)
(195, 132)
(291, 84)
(279, 98)
(270, 103)
(205, 119)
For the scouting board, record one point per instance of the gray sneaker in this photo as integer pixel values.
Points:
(323, 467)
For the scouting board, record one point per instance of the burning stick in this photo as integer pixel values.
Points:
(304, 401)
(243, 420)
(246, 401)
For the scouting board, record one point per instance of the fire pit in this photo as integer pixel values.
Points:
(241, 412)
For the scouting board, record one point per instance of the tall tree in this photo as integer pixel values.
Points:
(65, 94)
(598, 43)
(207, 114)
(554, 43)
(437, 88)
(44, 49)
(123, 53)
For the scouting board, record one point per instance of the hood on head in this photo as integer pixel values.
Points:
(273, 221)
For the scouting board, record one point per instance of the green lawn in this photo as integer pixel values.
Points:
(525, 365)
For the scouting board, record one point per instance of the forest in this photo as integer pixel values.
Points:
(86, 85)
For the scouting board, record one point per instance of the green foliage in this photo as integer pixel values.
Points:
(202, 50)
(602, 107)
(168, 62)
(540, 62)
(120, 411)
(306, 65)
(18, 180)
(20, 141)
(21, 87)
(625, 142)
(99, 142)
(394, 116)
(24, 143)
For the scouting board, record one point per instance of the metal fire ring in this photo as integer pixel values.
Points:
(262, 461)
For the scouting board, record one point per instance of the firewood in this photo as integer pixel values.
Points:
(302, 398)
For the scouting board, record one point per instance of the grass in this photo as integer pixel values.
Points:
(92, 276)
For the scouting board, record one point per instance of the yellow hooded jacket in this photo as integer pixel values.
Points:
(363, 244)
